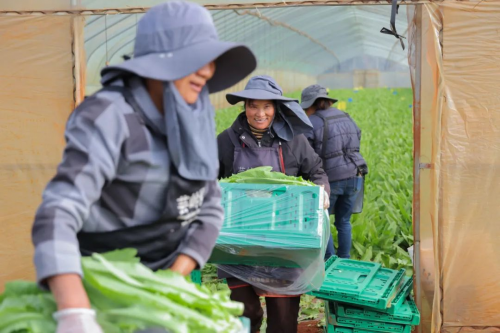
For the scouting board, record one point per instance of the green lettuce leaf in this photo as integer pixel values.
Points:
(264, 175)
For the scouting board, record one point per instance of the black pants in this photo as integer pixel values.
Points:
(282, 312)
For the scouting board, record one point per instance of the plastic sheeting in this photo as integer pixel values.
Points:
(274, 236)
(459, 256)
(36, 97)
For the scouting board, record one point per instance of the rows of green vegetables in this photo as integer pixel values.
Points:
(383, 231)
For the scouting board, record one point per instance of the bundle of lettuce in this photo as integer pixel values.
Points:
(264, 175)
(127, 297)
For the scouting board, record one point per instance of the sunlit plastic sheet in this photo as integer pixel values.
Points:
(36, 98)
(459, 253)
(274, 236)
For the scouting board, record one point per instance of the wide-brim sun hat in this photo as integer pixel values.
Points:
(312, 93)
(177, 38)
(260, 87)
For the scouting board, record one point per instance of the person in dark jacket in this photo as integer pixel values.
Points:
(336, 138)
(268, 133)
(140, 164)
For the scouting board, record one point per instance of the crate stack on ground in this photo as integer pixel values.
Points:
(364, 297)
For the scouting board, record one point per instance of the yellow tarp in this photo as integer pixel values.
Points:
(459, 195)
(36, 97)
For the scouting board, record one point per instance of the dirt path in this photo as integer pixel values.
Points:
(310, 326)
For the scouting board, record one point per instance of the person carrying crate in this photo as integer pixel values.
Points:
(337, 138)
(268, 133)
(140, 165)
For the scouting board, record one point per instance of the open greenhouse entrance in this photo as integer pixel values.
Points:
(341, 48)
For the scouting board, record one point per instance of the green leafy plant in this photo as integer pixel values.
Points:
(127, 296)
(264, 175)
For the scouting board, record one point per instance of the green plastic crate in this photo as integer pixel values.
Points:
(403, 293)
(345, 275)
(335, 319)
(378, 293)
(331, 328)
(246, 325)
(407, 314)
(296, 209)
(196, 276)
(338, 329)
(271, 225)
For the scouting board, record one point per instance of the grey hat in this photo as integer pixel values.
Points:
(175, 39)
(260, 87)
(312, 93)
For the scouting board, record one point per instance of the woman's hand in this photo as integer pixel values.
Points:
(184, 264)
(74, 315)
(326, 200)
(77, 321)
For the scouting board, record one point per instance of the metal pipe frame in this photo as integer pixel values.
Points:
(416, 159)
(279, 4)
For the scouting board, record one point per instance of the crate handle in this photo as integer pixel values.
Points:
(266, 194)
(280, 191)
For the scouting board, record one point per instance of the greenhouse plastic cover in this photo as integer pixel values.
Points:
(274, 236)
(457, 252)
(459, 255)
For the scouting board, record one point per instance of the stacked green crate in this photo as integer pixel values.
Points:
(362, 283)
(363, 297)
(271, 225)
(196, 276)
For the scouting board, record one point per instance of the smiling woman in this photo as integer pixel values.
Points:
(260, 113)
(268, 133)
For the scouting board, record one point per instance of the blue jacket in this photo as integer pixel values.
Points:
(341, 157)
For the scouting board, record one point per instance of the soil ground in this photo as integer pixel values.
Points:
(310, 326)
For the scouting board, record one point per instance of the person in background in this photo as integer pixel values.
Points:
(262, 136)
(336, 138)
(140, 164)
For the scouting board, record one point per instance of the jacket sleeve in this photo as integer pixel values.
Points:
(94, 135)
(315, 136)
(201, 238)
(310, 137)
(226, 154)
(220, 147)
(311, 165)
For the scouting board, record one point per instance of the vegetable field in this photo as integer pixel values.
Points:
(383, 231)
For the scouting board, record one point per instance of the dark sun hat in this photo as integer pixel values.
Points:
(175, 39)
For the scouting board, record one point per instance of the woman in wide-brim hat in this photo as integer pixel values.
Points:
(140, 165)
(268, 133)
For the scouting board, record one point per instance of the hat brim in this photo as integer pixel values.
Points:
(307, 104)
(233, 61)
(257, 94)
